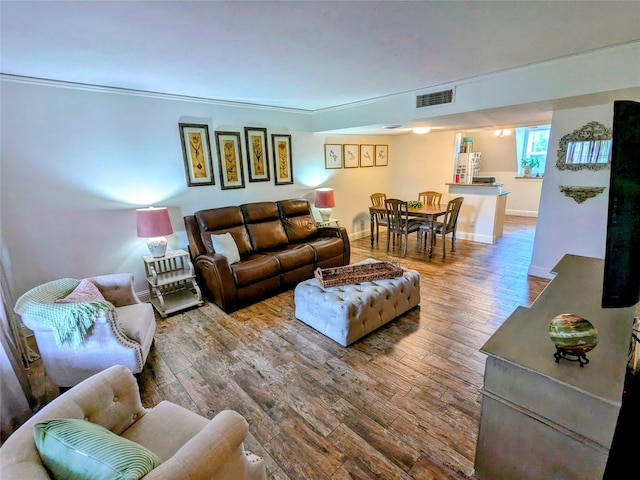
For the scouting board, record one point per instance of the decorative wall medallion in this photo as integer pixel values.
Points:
(580, 194)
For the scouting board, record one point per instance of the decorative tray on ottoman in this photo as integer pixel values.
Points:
(367, 272)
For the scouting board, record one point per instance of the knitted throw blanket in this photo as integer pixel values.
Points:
(69, 321)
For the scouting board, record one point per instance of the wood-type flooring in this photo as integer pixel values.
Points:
(401, 403)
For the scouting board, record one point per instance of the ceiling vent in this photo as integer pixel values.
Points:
(435, 98)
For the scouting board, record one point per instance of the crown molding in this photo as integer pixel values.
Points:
(141, 93)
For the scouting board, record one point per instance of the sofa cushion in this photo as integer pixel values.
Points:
(265, 228)
(254, 269)
(165, 428)
(327, 247)
(294, 256)
(226, 245)
(217, 221)
(297, 220)
(77, 449)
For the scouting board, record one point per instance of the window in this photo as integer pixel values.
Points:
(531, 144)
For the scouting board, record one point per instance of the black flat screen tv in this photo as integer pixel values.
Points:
(621, 286)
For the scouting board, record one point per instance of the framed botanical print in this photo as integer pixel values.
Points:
(230, 160)
(196, 151)
(282, 159)
(333, 156)
(382, 155)
(351, 155)
(366, 155)
(257, 154)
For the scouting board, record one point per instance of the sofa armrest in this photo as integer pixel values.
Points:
(217, 279)
(339, 232)
(332, 232)
(214, 453)
(117, 288)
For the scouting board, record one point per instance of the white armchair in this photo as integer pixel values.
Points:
(190, 446)
(121, 336)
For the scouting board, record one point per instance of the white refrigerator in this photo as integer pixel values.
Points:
(467, 167)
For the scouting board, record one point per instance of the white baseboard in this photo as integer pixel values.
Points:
(521, 213)
(475, 237)
(543, 272)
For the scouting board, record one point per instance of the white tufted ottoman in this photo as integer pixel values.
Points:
(349, 312)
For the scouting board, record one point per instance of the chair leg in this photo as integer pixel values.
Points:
(444, 245)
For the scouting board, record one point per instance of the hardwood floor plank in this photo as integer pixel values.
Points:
(393, 448)
(365, 457)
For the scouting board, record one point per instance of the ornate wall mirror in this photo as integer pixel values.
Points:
(588, 147)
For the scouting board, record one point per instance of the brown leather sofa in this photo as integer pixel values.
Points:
(279, 246)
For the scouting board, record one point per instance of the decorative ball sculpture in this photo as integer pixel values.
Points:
(573, 337)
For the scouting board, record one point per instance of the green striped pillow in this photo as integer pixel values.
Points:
(77, 449)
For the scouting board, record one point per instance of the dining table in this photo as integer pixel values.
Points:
(429, 213)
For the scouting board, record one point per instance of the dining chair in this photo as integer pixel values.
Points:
(448, 225)
(430, 197)
(400, 225)
(377, 200)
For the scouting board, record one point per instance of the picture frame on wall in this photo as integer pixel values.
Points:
(351, 155)
(230, 160)
(257, 154)
(282, 159)
(366, 155)
(196, 151)
(332, 156)
(382, 155)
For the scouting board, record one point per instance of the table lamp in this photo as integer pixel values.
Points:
(153, 224)
(324, 202)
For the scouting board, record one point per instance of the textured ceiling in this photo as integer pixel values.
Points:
(298, 54)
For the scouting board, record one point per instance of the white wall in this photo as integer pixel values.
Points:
(565, 226)
(76, 163)
(422, 162)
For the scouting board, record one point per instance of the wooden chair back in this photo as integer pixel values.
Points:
(400, 225)
(430, 197)
(397, 214)
(377, 199)
(450, 221)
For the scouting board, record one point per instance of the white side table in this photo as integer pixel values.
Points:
(328, 223)
(171, 282)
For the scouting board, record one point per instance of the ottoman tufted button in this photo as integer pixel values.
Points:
(115, 398)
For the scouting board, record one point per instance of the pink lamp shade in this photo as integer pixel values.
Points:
(324, 198)
(324, 202)
(154, 223)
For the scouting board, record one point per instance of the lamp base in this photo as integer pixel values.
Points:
(325, 214)
(157, 246)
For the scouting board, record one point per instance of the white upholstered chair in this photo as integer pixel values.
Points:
(121, 335)
(189, 445)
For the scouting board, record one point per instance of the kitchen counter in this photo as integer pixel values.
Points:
(482, 215)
